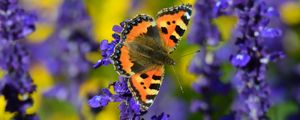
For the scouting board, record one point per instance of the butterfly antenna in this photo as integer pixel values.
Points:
(191, 53)
(176, 77)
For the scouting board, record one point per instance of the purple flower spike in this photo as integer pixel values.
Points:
(17, 85)
(205, 34)
(202, 22)
(252, 57)
(240, 60)
(64, 52)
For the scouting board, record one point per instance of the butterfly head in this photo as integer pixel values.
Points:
(170, 62)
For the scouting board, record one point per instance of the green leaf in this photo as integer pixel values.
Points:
(281, 111)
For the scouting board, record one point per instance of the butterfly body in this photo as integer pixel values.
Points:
(145, 49)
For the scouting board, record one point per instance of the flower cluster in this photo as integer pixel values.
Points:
(202, 22)
(129, 108)
(72, 40)
(205, 64)
(252, 57)
(67, 61)
(16, 86)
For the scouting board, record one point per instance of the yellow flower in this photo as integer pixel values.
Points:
(290, 13)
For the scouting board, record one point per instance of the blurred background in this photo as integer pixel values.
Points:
(62, 69)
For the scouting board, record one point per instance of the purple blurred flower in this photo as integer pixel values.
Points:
(202, 19)
(252, 57)
(206, 34)
(198, 105)
(208, 83)
(64, 52)
(58, 91)
(240, 60)
(17, 85)
(221, 7)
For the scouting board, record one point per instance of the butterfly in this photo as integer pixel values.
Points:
(145, 48)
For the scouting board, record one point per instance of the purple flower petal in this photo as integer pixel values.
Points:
(117, 29)
(116, 36)
(271, 33)
(134, 106)
(240, 60)
(98, 64)
(272, 12)
(95, 102)
(104, 45)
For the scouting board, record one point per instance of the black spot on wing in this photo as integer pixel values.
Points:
(150, 97)
(144, 76)
(172, 37)
(179, 30)
(164, 30)
(156, 77)
(154, 86)
(185, 20)
(168, 23)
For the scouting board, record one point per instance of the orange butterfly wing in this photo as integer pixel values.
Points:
(133, 28)
(172, 23)
(145, 86)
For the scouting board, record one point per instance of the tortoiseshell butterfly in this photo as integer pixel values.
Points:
(145, 47)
